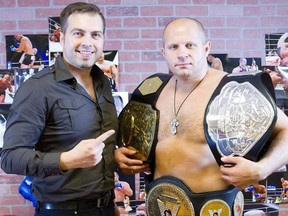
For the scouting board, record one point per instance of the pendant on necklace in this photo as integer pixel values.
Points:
(174, 125)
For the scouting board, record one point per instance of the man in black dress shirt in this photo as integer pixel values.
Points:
(61, 126)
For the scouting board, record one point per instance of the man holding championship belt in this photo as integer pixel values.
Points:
(203, 134)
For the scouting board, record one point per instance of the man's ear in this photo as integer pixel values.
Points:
(163, 51)
(62, 39)
(207, 48)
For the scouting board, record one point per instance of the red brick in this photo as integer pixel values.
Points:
(7, 25)
(4, 189)
(242, 2)
(282, 10)
(209, 2)
(129, 56)
(218, 45)
(14, 188)
(12, 200)
(112, 45)
(4, 210)
(138, 2)
(47, 12)
(213, 22)
(156, 11)
(252, 54)
(242, 22)
(274, 2)
(152, 56)
(173, 2)
(224, 33)
(5, 3)
(113, 22)
(23, 210)
(227, 10)
(191, 10)
(243, 44)
(162, 21)
(31, 3)
(98, 2)
(140, 67)
(140, 22)
(33, 24)
(130, 78)
(151, 33)
(140, 45)
(123, 33)
(274, 21)
(122, 11)
(9, 179)
(17, 13)
(251, 33)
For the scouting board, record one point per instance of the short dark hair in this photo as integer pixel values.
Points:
(79, 7)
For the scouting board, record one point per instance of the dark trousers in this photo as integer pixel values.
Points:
(92, 211)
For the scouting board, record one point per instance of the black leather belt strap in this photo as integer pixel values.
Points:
(79, 204)
(172, 193)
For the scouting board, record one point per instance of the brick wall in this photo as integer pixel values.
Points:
(134, 27)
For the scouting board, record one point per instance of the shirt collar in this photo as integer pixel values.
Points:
(62, 73)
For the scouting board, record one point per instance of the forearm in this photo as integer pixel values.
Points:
(23, 161)
(276, 156)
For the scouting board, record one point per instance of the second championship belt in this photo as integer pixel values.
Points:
(240, 116)
(138, 121)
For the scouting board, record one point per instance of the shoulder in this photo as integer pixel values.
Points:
(44, 72)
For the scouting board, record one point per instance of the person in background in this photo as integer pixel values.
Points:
(284, 193)
(26, 47)
(282, 49)
(254, 66)
(215, 62)
(110, 70)
(259, 192)
(5, 83)
(61, 126)
(242, 67)
(181, 159)
(122, 189)
(55, 35)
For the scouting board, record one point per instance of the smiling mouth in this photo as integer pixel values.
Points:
(85, 53)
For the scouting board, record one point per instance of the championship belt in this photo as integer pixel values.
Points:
(139, 119)
(240, 116)
(137, 128)
(168, 195)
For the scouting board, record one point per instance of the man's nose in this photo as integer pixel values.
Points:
(182, 54)
(87, 40)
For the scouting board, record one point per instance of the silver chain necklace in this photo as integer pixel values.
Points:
(174, 121)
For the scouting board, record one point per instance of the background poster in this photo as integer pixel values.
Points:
(39, 56)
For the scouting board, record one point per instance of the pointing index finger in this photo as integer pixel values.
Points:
(105, 136)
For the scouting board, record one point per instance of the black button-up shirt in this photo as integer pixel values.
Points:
(51, 113)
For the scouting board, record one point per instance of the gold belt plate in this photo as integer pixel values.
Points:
(137, 125)
(168, 199)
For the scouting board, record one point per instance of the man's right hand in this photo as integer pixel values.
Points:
(87, 153)
(124, 159)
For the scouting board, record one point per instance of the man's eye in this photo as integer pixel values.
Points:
(77, 33)
(97, 35)
(173, 47)
(190, 45)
